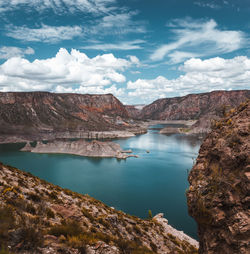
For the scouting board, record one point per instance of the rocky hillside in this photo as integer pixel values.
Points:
(194, 106)
(34, 113)
(38, 217)
(218, 197)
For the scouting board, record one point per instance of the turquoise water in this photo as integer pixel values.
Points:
(156, 180)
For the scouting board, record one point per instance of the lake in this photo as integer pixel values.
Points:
(155, 181)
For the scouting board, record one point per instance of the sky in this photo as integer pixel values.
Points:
(138, 50)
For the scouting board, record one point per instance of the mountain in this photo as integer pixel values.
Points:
(43, 114)
(39, 217)
(194, 106)
(28, 116)
(218, 196)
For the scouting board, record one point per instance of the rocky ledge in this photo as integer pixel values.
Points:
(51, 135)
(218, 196)
(37, 217)
(80, 147)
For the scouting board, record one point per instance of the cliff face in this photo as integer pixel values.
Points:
(218, 197)
(38, 112)
(194, 106)
(39, 217)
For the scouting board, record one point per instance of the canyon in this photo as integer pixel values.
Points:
(29, 116)
(39, 217)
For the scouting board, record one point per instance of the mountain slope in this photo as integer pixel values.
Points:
(30, 114)
(218, 196)
(193, 106)
(39, 217)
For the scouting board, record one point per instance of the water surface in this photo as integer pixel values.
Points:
(157, 180)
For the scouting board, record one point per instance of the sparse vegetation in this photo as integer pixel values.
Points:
(30, 216)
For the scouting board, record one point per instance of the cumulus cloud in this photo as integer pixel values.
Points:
(59, 6)
(191, 35)
(126, 45)
(49, 34)
(8, 52)
(200, 76)
(72, 72)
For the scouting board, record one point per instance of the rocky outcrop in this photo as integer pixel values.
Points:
(202, 107)
(218, 196)
(39, 217)
(94, 148)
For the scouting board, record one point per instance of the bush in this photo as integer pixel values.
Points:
(71, 228)
(50, 213)
(7, 221)
(30, 209)
(150, 216)
(34, 197)
(30, 237)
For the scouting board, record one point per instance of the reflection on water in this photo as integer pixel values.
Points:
(157, 180)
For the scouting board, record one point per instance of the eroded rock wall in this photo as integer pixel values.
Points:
(218, 196)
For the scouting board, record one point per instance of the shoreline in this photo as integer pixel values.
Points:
(95, 149)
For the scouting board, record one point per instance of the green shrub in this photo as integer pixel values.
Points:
(150, 216)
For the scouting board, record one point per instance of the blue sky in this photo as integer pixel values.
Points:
(139, 50)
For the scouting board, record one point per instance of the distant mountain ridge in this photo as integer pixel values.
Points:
(38, 112)
(193, 106)
(44, 115)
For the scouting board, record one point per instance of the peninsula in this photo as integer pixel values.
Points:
(81, 147)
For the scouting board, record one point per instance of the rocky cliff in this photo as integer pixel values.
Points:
(218, 196)
(44, 114)
(39, 217)
(194, 106)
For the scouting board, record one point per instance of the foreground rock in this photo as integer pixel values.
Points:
(39, 217)
(81, 147)
(218, 196)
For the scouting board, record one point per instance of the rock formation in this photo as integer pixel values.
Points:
(44, 115)
(39, 217)
(29, 116)
(80, 147)
(218, 196)
(202, 107)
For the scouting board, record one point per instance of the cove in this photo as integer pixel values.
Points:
(157, 180)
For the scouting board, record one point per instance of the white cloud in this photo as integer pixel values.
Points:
(8, 52)
(199, 38)
(59, 6)
(118, 24)
(126, 45)
(180, 56)
(66, 71)
(45, 33)
(208, 5)
(118, 92)
(200, 76)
